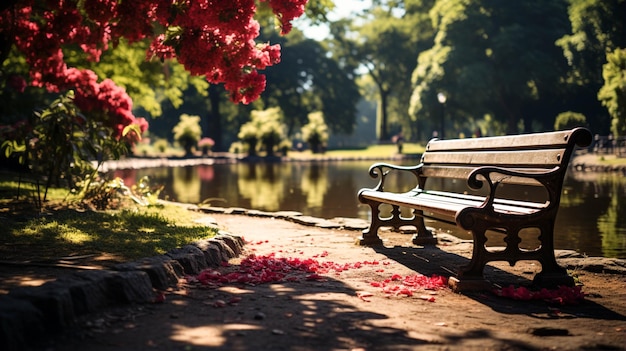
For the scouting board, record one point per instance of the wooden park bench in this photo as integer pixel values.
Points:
(492, 186)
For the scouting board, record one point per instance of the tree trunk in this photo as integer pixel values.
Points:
(214, 119)
(382, 115)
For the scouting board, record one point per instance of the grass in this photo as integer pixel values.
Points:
(64, 230)
(611, 160)
(373, 151)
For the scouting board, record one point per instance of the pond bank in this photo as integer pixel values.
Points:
(224, 158)
(582, 162)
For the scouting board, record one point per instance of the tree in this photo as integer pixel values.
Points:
(613, 92)
(310, 79)
(569, 120)
(597, 29)
(391, 36)
(315, 133)
(188, 132)
(265, 127)
(491, 58)
(214, 39)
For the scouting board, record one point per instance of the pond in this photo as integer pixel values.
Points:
(591, 219)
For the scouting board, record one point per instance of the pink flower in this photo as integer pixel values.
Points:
(216, 38)
(206, 142)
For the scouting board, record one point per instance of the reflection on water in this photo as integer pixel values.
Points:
(591, 220)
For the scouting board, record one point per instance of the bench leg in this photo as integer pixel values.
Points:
(470, 277)
(369, 236)
(552, 274)
(423, 236)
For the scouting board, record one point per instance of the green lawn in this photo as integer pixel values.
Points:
(373, 151)
(63, 228)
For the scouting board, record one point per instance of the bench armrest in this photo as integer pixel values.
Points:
(544, 177)
(382, 169)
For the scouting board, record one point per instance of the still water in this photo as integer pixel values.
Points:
(591, 219)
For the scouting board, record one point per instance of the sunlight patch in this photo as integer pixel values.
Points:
(76, 237)
(207, 335)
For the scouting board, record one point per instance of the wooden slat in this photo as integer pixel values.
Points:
(449, 205)
(543, 158)
(481, 199)
(513, 142)
(464, 172)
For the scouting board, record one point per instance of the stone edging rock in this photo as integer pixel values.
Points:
(293, 216)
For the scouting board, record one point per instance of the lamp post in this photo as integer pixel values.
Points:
(441, 97)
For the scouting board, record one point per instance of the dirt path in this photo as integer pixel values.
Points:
(343, 311)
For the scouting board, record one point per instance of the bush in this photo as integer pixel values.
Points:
(265, 127)
(569, 120)
(59, 143)
(188, 132)
(161, 145)
(315, 133)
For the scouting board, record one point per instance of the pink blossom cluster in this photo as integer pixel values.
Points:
(206, 142)
(409, 284)
(262, 269)
(563, 295)
(214, 38)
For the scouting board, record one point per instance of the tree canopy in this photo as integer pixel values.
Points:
(490, 59)
(215, 39)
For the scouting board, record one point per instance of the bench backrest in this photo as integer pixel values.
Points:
(528, 152)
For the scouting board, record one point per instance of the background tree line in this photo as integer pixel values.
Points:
(503, 66)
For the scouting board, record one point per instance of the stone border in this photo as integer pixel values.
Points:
(293, 216)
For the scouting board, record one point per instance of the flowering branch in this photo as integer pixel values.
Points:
(213, 38)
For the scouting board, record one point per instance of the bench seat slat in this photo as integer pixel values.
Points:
(448, 205)
(481, 199)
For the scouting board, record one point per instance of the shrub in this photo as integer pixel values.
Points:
(59, 143)
(569, 120)
(265, 127)
(315, 133)
(161, 145)
(188, 132)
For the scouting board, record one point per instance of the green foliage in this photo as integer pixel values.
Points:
(237, 147)
(103, 194)
(310, 78)
(315, 133)
(60, 147)
(491, 59)
(597, 28)
(161, 145)
(613, 93)
(569, 120)
(188, 132)
(265, 127)
(388, 44)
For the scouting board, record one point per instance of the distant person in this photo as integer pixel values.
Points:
(398, 139)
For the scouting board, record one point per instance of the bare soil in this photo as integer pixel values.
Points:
(345, 312)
